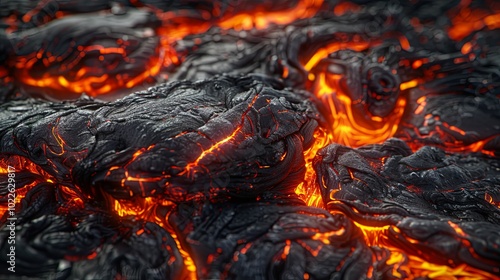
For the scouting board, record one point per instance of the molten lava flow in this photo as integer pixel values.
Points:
(357, 44)
(145, 208)
(490, 199)
(448, 133)
(23, 166)
(346, 129)
(75, 79)
(259, 18)
(308, 190)
(87, 70)
(458, 146)
(416, 267)
(73, 199)
(140, 207)
(468, 20)
(385, 210)
(413, 266)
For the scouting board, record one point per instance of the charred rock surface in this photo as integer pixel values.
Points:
(227, 136)
(93, 245)
(272, 241)
(436, 202)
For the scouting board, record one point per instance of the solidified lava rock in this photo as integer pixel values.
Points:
(225, 136)
(263, 240)
(436, 201)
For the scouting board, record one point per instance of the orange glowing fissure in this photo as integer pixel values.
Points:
(20, 165)
(260, 19)
(144, 208)
(83, 81)
(192, 166)
(490, 199)
(445, 132)
(346, 129)
(69, 82)
(307, 190)
(414, 266)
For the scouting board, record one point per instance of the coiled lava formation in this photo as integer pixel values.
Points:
(299, 139)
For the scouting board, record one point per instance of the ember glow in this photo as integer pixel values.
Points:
(346, 130)
(299, 139)
(36, 176)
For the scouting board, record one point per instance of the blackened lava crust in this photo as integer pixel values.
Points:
(225, 136)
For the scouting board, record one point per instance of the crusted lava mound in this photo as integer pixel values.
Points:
(226, 136)
(431, 203)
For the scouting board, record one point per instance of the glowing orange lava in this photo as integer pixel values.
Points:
(74, 81)
(68, 80)
(357, 45)
(446, 132)
(145, 208)
(414, 266)
(308, 190)
(259, 18)
(468, 20)
(490, 199)
(346, 127)
(348, 130)
(21, 165)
